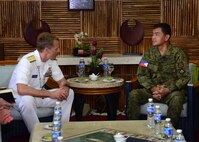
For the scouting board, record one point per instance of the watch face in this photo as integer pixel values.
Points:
(80, 4)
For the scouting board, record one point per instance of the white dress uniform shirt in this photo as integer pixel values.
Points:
(33, 72)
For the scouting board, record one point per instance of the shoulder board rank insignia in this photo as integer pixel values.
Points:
(31, 58)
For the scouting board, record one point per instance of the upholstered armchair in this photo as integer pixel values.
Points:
(17, 127)
(186, 122)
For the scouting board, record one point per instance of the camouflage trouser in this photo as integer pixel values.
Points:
(174, 100)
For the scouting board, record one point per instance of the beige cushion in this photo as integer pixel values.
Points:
(163, 108)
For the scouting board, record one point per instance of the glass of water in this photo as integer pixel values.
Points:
(79, 71)
(110, 70)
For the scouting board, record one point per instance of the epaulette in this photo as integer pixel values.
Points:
(31, 58)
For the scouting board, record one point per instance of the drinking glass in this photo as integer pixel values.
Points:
(79, 71)
(110, 70)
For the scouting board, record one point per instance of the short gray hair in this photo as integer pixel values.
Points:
(45, 40)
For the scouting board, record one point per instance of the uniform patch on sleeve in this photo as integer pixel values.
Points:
(31, 58)
(143, 63)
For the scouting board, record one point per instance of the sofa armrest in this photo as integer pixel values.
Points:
(135, 83)
(129, 85)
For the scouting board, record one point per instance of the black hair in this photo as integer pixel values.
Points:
(166, 29)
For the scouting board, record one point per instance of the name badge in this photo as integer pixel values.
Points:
(34, 76)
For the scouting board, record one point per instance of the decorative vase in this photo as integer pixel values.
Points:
(81, 52)
(95, 70)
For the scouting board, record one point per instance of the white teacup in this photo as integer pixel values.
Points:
(93, 77)
(119, 138)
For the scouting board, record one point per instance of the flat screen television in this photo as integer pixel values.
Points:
(81, 4)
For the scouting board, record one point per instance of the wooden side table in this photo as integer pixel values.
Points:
(111, 90)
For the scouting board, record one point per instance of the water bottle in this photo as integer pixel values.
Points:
(168, 130)
(82, 67)
(157, 120)
(179, 137)
(150, 113)
(105, 67)
(56, 132)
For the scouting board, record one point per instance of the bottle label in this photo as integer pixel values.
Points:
(150, 109)
(82, 65)
(157, 117)
(105, 66)
(179, 141)
(168, 132)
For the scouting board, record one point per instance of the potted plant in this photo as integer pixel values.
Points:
(81, 48)
(96, 58)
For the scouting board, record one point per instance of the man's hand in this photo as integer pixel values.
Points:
(159, 92)
(60, 94)
(4, 104)
(5, 116)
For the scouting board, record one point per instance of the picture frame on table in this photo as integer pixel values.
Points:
(81, 5)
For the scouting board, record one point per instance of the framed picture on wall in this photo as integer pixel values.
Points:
(81, 4)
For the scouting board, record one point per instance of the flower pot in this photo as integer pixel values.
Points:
(81, 52)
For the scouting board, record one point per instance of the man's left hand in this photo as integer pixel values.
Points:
(162, 91)
(65, 90)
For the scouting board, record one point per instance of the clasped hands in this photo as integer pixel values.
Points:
(159, 91)
(60, 94)
(5, 112)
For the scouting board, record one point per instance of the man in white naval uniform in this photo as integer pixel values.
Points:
(29, 77)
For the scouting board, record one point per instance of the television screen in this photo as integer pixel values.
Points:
(81, 4)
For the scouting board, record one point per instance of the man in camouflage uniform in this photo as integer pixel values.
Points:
(164, 73)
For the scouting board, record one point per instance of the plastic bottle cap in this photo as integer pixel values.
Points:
(179, 131)
(150, 99)
(60, 138)
(157, 106)
(168, 119)
(57, 103)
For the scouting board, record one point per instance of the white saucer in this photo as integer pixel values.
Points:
(112, 80)
(48, 126)
(81, 80)
(47, 138)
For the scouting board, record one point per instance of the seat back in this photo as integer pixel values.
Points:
(163, 108)
(6, 72)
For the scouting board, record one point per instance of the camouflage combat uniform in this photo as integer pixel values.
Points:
(170, 70)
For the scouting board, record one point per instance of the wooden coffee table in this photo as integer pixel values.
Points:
(111, 90)
(70, 130)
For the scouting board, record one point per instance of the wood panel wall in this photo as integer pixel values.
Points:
(102, 24)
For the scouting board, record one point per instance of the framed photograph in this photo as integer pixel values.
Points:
(81, 4)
